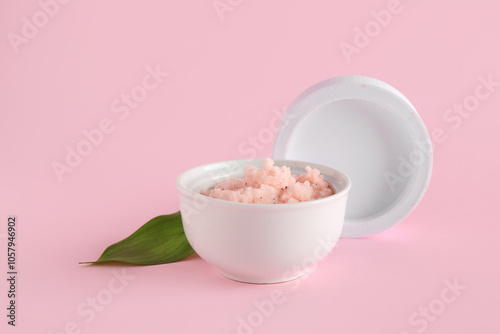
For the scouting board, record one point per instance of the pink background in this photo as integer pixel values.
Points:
(227, 79)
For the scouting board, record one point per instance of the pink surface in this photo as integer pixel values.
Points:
(231, 72)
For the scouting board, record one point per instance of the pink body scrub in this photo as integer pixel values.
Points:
(273, 185)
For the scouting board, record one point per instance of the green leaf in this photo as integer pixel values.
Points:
(160, 240)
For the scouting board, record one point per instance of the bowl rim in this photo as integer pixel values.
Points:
(181, 188)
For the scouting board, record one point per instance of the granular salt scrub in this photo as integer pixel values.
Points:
(273, 185)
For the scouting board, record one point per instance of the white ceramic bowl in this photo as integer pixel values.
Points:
(260, 243)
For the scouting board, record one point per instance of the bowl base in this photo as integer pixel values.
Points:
(263, 279)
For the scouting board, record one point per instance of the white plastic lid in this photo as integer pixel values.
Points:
(370, 131)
